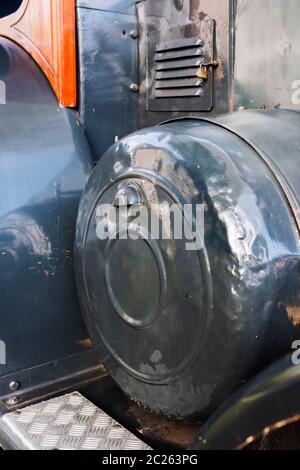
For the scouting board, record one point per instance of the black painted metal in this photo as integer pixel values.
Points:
(117, 6)
(174, 66)
(9, 7)
(44, 164)
(108, 64)
(110, 61)
(267, 403)
(180, 330)
(167, 21)
(117, 42)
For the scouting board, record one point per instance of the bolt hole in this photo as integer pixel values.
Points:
(124, 33)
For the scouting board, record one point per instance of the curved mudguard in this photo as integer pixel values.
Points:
(268, 402)
(44, 164)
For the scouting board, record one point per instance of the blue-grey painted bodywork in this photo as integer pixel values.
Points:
(44, 164)
(111, 60)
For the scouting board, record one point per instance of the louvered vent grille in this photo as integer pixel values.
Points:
(176, 69)
(173, 65)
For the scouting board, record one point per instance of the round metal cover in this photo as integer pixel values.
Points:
(145, 295)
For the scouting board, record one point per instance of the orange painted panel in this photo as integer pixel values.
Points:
(47, 30)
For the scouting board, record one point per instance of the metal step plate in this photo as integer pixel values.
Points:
(68, 422)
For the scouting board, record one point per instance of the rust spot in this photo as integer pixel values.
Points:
(220, 72)
(294, 314)
(269, 431)
(161, 429)
(231, 103)
(86, 343)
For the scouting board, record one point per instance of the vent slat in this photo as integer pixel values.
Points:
(179, 93)
(187, 83)
(179, 44)
(174, 60)
(176, 67)
(179, 64)
(183, 53)
(180, 73)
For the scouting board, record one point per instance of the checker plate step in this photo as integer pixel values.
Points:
(68, 422)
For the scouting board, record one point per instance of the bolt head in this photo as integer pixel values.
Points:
(134, 87)
(14, 386)
(134, 34)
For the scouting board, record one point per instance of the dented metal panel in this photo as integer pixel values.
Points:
(267, 54)
(169, 20)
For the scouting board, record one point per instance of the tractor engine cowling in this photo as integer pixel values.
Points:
(179, 328)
